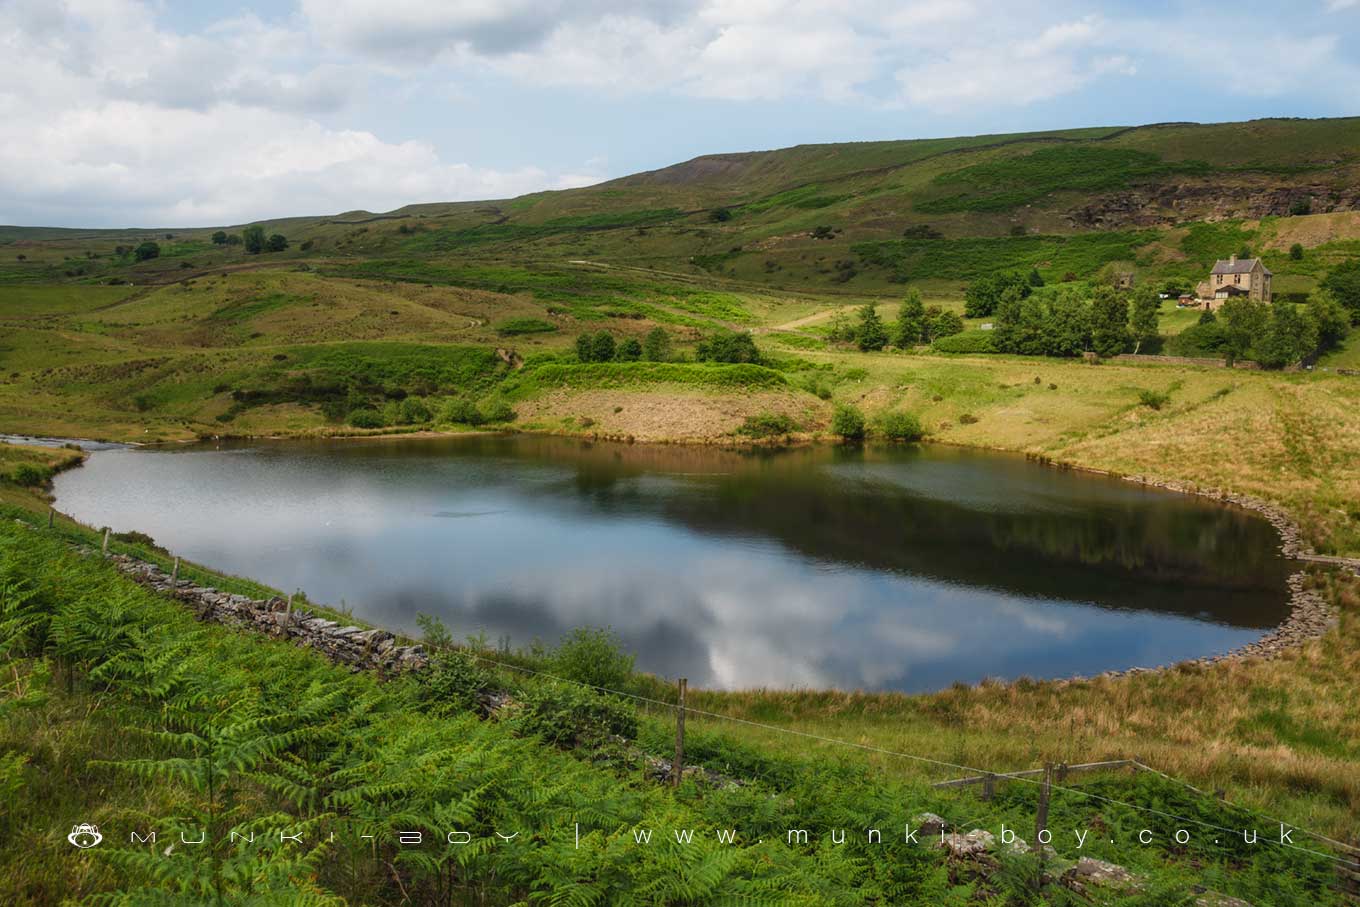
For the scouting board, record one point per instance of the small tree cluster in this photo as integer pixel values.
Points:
(984, 294)
(256, 242)
(728, 346)
(1068, 321)
(602, 347)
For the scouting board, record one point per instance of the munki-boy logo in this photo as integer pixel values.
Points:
(85, 836)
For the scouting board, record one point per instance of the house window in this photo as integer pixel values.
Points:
(1237, 279)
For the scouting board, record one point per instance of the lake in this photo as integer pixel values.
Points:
(901, 568)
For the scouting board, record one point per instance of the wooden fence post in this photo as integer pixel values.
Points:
(678, 767)
(174, 572)
(105, 551)
(288, 608)
(1041, 817)
(1062, 772)
(988, 786)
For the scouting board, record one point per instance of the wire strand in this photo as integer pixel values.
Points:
(921, 759)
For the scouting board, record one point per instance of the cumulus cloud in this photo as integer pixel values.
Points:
(282, 112)
(108, 119)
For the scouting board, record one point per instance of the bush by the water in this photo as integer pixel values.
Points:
(594, 656)
(366, 418)
(848, 423)
(767, 425)
(899, 426)
(30, 475)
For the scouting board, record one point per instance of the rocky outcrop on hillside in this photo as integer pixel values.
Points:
(1173, 203)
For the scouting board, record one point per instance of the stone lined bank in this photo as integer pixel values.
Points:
(348, 645)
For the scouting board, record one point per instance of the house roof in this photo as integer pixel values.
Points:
(1237, 266)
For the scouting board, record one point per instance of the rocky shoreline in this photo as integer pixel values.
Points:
(1309, 614)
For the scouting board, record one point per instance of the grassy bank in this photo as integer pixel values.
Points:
(122, 711)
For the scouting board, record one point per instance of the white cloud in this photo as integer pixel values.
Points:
(107, 119)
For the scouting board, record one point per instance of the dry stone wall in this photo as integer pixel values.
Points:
(357, 647)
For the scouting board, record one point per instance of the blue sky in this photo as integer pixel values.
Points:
(123, 112)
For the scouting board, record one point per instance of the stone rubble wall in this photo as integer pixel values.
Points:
(357, 647)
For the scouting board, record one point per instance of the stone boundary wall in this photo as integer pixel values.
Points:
(1244, 364)
(354, 646)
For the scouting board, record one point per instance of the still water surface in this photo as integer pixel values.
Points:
(875, 568)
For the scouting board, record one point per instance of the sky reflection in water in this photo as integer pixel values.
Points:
(820, 567)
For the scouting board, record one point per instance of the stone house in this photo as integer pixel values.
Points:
(1236, 277)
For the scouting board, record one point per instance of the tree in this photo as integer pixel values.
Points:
(728, 346)
(941, 323)
(1288, 336)
(1244, 320)
(1301, 206)
(1018, 324)
(276, 243)
(1144, 315)
(1244, 252)
(1109, 322)
(1067, 326)
(584, 347)
(234, 239)
(1344, 283)
(872, 334)
(911, 321)
(220, 238)
(146, 250)
(1329, 318)
(657, 345)
(1035, 279)
(629, 351)
(984, 294)
(254, 239)
(1296, 252)
(602, 347)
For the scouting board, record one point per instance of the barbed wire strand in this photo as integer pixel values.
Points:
(941, 763)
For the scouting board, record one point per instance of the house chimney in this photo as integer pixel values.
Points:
(1233, 260)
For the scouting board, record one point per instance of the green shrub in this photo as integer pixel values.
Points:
(499, 411)
(462, 411)
(455, 682)
(567, 715)
(414, 411)
(730, 347)
(767, 425)
(1153, 399)
(899, 426)
(513, 327)
(592, 655)
(30, 475)
(366, 418)
(966, 342)
(848, 423)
